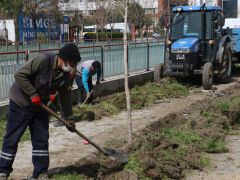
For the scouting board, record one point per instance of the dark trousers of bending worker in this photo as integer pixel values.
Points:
(18, 120)
(83, 92)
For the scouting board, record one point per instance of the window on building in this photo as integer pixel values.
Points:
(150, 10)
(230, 8)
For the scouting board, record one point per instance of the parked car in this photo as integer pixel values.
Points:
(156, 36)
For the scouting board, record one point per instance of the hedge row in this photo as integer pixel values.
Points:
(104, 35)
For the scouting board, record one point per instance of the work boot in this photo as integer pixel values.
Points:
(3, 176)
(43, 176)
(58, 124)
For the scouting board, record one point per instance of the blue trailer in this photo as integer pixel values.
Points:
(232, 26)
(196, 43)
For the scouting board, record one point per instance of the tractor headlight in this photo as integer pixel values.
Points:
(211, 41)
(181, 50)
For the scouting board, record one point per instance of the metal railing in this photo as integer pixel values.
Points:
(141, 56)
(45, 44)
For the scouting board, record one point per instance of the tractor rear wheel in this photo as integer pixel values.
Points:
(225, 67)
(207, 76)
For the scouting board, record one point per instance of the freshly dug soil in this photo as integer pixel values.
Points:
(141, 96)
(171, 146)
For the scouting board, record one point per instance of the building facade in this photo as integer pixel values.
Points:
(153, 8)
(207, 2)
(86, 6)
(231, 8)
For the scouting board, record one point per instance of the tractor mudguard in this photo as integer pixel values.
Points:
(219, 54)
(218, 51)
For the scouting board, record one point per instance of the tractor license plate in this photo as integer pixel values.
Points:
(177, 66)
(180, 56)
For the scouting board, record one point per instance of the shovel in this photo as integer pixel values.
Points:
(81, 105)
(111, 153)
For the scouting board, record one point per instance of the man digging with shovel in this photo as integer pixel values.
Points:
(35, 82)
(83, 78)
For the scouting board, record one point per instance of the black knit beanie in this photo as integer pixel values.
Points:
(70, 53)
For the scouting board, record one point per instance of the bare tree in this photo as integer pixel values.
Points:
(54, 12)
(136, 17)
(179, 2)
(123, 6)
(12, 9)
(99, 13)
(149, 16)
(77, 18)
(113, 16)
(77, 22)
(34, 9)
(148, 22)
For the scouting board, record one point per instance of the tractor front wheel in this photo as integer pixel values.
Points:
(207, 76)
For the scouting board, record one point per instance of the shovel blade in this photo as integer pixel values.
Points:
(116, 156)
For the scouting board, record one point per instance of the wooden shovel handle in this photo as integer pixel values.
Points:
(46, 108)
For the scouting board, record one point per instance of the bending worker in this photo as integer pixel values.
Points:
(35, 83)
(83, 78)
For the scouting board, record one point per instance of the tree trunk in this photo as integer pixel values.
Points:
(96, 35)
(126, 78)
(16, 30)
(34, 27)
(48, 32)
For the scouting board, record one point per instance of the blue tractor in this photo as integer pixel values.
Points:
(196, 43)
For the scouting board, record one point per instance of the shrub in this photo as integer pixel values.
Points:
(102, 36)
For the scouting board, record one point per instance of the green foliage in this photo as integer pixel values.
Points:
(135, 166)
(11, 8)
(209, 116)
(223, 106)
(234, 113)
(183, 137)
(214, 145)
(26, 136)
(102, 36)
(108, 108)
(97, 111)
(114, 16)
(181, 150)
(168, 155)
(141, 96)
(136, 15)
(171, 88)
(230, 108)
(68, 176)
(235, 99)
(3, 122)
(204, 162)
(2, 129)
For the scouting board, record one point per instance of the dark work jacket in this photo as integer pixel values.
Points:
(38, 77)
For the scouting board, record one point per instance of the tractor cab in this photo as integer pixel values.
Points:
(193, 40)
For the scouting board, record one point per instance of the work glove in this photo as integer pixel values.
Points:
(73, 126)
(52, 98)
(97, 82)
(36, 100)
